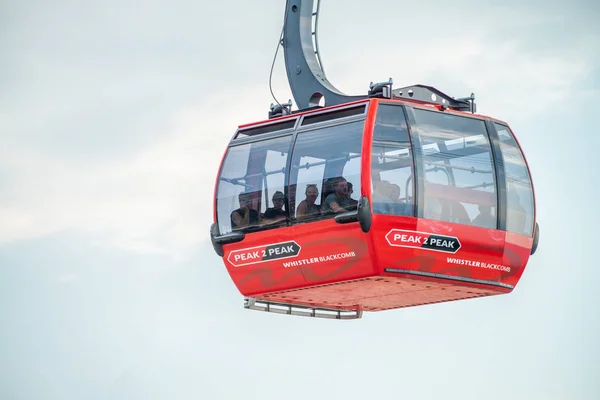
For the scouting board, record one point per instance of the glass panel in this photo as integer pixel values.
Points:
(326, 171)
(327, 116)
(392, 163)
(460, 184)
(519, 213)
(250, 194)
(259, 130)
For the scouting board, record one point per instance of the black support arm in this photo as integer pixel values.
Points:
(305, 75)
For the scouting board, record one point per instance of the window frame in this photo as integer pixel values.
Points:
(418, 167)
(500, 160)
(416, 195)
(249, 141)
(298, 128)
(310, 129)
(498, 173)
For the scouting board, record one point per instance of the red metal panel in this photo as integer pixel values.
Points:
(470, 253)
(326, 252)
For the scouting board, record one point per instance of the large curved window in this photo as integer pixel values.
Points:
(391, 163)
(251, 186)
(457, 159)
(519, 190)
(325, 175)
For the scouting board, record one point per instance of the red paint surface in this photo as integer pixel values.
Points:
(330, 268)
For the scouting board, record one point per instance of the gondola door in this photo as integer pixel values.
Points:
(325, 181)
(393, 188)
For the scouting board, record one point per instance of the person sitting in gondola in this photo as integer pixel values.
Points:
(338, 201)
(307, 208)
(244, 216)
(485, 219)
(386, 199)
(399, 206)
(380, 197)
(275, 213)
(353, 202)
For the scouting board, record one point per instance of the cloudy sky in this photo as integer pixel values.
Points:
(113, 119)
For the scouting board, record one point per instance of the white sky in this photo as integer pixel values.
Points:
(113, 119)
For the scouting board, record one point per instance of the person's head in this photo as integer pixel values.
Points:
(245, 199)
(341, 187)
(382, 188)
(394, 191)
(311, 193)
(278, 200)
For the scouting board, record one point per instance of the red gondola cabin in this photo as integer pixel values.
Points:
(372, 205)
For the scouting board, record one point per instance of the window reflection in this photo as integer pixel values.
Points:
(392, 163)
(324, 180)
(520, 203)
(250, 193)
(460, 184)
(325, 177)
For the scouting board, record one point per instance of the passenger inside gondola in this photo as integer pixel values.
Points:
(455, 211)
(338, 201)
(308, 208)
(245, 215)
(485, 219)
(275, 213)
(386, 199)
(353, 202)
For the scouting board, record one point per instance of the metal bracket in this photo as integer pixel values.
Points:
(381, 89)
(299, 310)
(278, 110)
(428, 94)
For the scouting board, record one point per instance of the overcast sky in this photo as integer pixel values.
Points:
(113, 120)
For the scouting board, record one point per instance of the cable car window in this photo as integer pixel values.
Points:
(310, 172)
(392, 163)
(250, 194)
(273, 203)
(458, 147)
(327, 170)
(519, 213)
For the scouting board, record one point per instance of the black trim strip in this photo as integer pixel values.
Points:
(453, 278)
(500, 174)
(418, 166)
(270, 127)
(330, 115)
